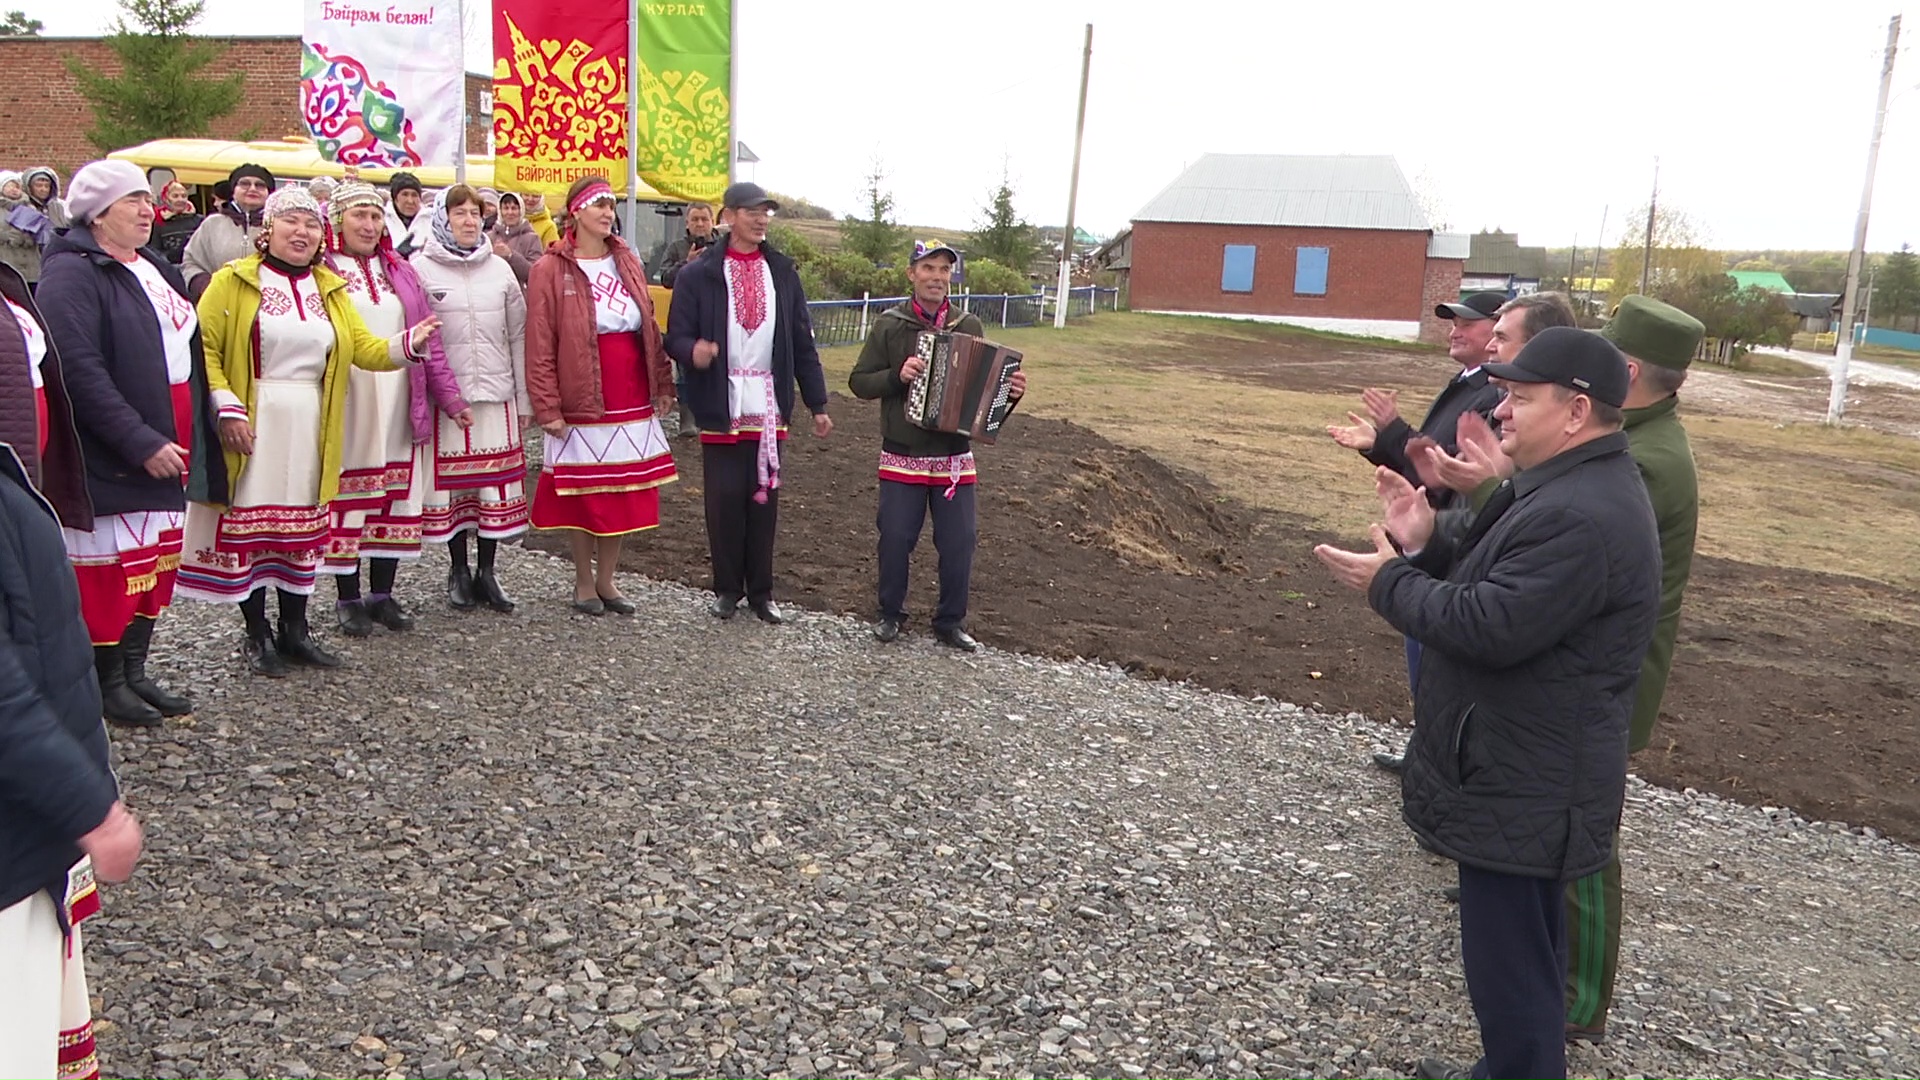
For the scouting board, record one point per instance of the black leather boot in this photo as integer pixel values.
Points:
(118, 703)
(296, 637)
(460, 587)
(137, 642)
(487, 588)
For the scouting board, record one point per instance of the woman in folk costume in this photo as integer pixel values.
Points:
(126, 342)
(390, 418)
(280, 333)
(597, 376)
(478, 482)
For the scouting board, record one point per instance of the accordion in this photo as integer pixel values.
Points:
(964, 389)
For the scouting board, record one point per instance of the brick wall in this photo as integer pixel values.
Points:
(1442, 287)
(1371, 273)
(44, 121)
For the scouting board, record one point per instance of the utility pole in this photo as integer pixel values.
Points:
(1599, 242)
(1073, 195)
(1573, 263)
(1843, 345)
(1873, 275)
(1653, 215)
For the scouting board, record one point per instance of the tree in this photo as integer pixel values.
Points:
(160, 92)
(16, 24)
(1002, 236)
(1679, 253)
(1896, 288)
(875, 238)
(1752, 316)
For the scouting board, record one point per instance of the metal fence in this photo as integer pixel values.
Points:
(845, 322)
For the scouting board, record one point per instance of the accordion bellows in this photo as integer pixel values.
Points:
(964, 389)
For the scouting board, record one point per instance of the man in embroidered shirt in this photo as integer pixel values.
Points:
(739, 329)
(921, 469)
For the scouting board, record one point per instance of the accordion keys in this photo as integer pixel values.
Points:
(966, 388)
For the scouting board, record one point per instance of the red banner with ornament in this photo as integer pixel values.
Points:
(559, 93)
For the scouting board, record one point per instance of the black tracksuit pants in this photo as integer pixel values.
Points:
(740, 531)
(903, 513)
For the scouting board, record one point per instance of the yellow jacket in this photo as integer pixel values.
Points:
(543, 226)
(229, 314)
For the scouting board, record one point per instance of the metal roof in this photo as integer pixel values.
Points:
(1344, 191)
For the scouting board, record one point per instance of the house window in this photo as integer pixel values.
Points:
(1310, 271)
(1236, 268)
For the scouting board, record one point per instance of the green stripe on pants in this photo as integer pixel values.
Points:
(1593, 943)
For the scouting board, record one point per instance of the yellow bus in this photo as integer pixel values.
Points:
(208, 161)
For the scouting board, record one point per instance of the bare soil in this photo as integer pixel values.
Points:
(1792, 688)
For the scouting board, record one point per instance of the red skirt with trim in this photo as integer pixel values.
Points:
(126, 565)
(604, 475)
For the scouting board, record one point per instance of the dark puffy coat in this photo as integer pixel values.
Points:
(699, 312)
(113, 363)
(55, 783)
(58, 473)
(1535, 621)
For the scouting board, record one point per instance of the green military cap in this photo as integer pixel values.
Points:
(1657, 333)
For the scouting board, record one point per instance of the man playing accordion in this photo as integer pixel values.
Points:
(921, 471)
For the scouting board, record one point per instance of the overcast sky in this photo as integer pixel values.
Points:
(1533, 118)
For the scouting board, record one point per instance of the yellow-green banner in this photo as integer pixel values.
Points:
(686, 118)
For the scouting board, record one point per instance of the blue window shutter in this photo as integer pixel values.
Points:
(1236, 268)
(1310, 271)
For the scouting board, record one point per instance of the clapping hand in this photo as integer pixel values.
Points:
(1409, 516)
(420, 332)
(1358, 437)
(1480, 458)
(1382, 405)
(1356, 569)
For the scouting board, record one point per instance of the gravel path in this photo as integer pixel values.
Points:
(552, 845)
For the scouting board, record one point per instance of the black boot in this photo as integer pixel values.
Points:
(137, 642)
(354, 619)
(296, 637)
(263, 658)
(460, 587)
(118, 703)
(487, 588)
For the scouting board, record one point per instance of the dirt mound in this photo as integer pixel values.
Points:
(1781, 696)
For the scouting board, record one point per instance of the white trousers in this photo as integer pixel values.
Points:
(43, 995)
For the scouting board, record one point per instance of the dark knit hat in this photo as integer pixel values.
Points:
(258, 172)
(403, 181)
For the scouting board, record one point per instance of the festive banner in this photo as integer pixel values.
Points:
(559, 93)
(686, 116)
(380, 82)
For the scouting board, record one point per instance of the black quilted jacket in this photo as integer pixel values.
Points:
(1534, 623)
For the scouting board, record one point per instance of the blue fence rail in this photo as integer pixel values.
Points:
(845, 322)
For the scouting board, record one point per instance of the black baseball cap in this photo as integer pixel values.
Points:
(746, 194)
(1480, 305)
(1569, 357)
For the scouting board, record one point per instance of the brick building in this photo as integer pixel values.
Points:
(44, 120)
(1333, 242)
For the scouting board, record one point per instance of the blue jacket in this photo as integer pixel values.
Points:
(699, 312)
(55, 783)
(113, 364)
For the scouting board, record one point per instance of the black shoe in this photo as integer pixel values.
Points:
(354, 620)
(1433, 1068)
(388, 613)
(1452, 894)
(955, 638)
(590, 606)
(137, 642)
(487, 588)
(296, 644)
(767, 612)
(1391, 762)
(118, 703)
(460, 588)
(887, 629)
(723, 607)
(1593, 1036)
(263, 657)
(619, 605)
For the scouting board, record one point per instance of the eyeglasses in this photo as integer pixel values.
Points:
(249, 184)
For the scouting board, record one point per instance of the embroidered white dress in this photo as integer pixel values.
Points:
(276, 530)
(383, 474)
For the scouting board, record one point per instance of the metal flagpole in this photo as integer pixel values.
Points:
(460, 150)
(1073, 196)
(733, 90)
(631, 210)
